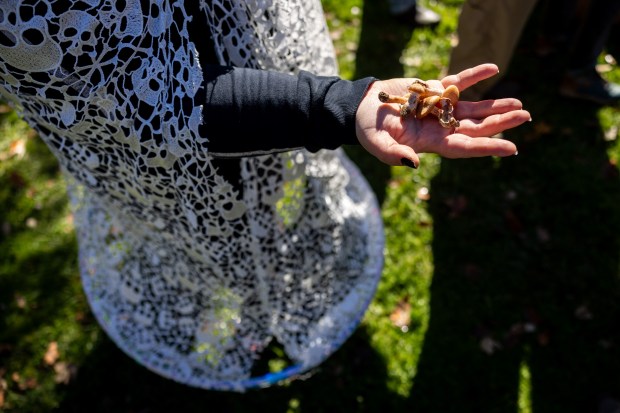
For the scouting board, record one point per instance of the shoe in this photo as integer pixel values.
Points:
(589, 86)
(418, 16)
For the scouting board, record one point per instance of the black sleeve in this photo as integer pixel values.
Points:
(249, 112)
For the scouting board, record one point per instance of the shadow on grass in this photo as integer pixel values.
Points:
(352, 380)
(380, 59)
(526, 254)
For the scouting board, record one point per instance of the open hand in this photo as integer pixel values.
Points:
(397, 141)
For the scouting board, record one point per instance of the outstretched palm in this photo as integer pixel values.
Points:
(389, 137)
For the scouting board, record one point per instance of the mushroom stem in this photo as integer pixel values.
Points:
(411, 105)
(387, 98)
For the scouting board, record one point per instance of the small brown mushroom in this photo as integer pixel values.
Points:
(422, 99)
(387, 98)
(451, 92)
(411, 105)
(428, 106)
(446, 119)
(422, 88)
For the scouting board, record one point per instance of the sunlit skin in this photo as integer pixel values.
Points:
(391, 138)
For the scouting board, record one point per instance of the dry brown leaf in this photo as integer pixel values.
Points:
(20, 301)
(24, 384)
(611, 134)
(18, 148)
(64, 372)
(52, 354)
(401, 316)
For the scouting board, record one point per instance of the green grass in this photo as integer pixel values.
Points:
(518, 256)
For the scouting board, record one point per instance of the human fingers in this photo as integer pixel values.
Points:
(385, 148)
(493, 124)
(484, 108)
(471, 76)
(459, 145)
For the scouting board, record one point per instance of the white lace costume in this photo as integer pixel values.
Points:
(188, 276)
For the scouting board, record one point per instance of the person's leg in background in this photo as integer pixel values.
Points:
(581, 80)
(488, 32)
(409, 12)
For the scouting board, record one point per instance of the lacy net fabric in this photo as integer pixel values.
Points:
(190, 275)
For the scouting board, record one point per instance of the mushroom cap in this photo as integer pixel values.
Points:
(384, 97)
(426, 106)
(451, 92)
(417, 88)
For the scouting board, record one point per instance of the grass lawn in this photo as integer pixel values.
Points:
(500, 292)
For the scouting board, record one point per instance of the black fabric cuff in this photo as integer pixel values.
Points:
(250, 111)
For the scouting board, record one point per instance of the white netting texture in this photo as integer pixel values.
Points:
(192, 275)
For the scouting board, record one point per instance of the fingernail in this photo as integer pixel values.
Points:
(530, 120)
(516, 153)
(408, 162)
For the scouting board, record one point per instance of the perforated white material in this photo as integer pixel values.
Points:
(188, 275)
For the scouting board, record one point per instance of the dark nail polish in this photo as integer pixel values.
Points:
(408, 162)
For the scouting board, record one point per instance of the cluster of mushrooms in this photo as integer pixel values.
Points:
(422, 100)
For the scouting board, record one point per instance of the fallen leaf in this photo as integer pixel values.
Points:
(20, 301)
(3, 387)
(611, 134)
(401, 316)
(52, 354)
(604, 68)
(424, 223)
(17, 148)
(24, 384)
(454, 40)
(64, 372)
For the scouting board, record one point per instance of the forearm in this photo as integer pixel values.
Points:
(254, 111)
